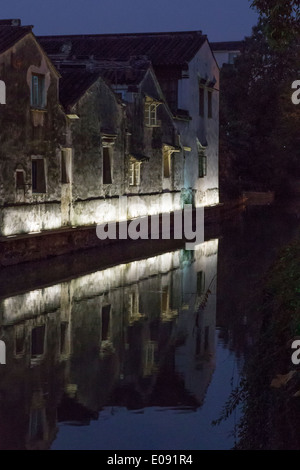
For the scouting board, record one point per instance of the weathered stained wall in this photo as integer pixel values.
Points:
(149, 141)
(26, 132)
(202, 66)
(99, 112)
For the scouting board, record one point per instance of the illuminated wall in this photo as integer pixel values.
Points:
(201, 130)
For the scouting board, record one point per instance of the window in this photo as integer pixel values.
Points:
(38, 91)
(105, 320)
(66, 165)
(149, 361)
(202, 164)
(200, 282)
(150, 114)
(170, 91)
(167, 163)
(64, 338)
(20, 179)
(38, 176)
(201, 101)
(209, 104)
(133, 304)
(165, 299)
(36, 426)
(134, 173)
(37, 341)
(19, 340)
(106, 169)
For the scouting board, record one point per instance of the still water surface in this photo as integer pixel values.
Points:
(139, 355)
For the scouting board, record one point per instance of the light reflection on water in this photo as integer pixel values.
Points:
(163, 428)
(139, 335)
(141, 355)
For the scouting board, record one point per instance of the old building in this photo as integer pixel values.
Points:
(32, 126)
(123, 142)
(86, 120)
(189, 77)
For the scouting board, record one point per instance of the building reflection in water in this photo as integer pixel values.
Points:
(135, 335)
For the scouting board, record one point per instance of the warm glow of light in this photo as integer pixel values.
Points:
(72, 116)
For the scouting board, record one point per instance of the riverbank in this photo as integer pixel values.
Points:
(270, 385)
(47, 244)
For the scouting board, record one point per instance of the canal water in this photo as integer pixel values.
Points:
(138, 354)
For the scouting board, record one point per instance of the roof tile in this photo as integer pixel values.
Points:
(174, 48)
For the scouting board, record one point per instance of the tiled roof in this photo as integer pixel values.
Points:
(9, 35)
(175, 48)
(74, 84)
(227, 46)
(122, 75)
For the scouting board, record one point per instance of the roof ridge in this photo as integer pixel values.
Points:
(198, 32)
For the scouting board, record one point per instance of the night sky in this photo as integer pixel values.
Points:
(221, 20)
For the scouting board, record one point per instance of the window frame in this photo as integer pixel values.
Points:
(134, 173)
(107, 156)
(209, 104)
(201, 101)
(167, 163)
(38, 91)
(38, 187)
(150, 114)
(202, 164)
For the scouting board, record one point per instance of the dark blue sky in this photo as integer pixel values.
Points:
(220, 19)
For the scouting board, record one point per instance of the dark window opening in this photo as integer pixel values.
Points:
(38, 91)
(170, 90)
(200, 282)
(167, 164)
(37, 341)
(20, 340)
(202, 165)
(201, 101)
(63, 337)
(20, 179)
(66, 156)
(206, 338)
(209, 104)
(165, 299)
(105, 323)
(106, 166)
(38, 176)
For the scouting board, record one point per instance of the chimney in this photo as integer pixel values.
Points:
(12, 22)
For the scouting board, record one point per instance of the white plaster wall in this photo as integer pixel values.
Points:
(203, 66)
(30, 218)
(22, 219)
(101, 211)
